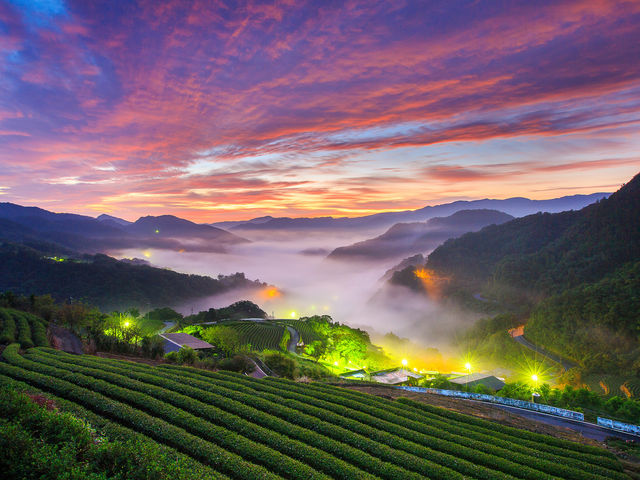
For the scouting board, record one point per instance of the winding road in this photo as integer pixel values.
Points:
(566, 364)
(294, 340)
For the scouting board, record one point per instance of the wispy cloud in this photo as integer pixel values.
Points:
(300, 107)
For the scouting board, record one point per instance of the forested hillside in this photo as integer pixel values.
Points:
(574, 276)
(104, 281)
(548, 253)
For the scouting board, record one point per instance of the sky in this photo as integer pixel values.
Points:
(230, 110)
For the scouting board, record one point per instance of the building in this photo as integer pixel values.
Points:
(475, 379)
(355, 375)
(394, 376)
(175, 341)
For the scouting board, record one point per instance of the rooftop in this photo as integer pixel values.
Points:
(185, 340)
(394, 376)
(489, 381)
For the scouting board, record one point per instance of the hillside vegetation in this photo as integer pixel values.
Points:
(245, 428)
(573, 275)
(24, 328)
(103, 281)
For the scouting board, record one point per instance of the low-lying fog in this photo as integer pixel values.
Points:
(309, 284)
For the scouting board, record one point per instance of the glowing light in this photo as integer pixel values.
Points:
(157, 231)
(335, 364)
(422, 274)
(293, 314)
(126, 324)
(467, 366)
(534, 377)
(147, 253)
(430, 281)
(415, 369)
(404, 362)
(270, 293)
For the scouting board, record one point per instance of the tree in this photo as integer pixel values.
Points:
(316, 349)
(187, 355)
(281, 365)
(224, 338)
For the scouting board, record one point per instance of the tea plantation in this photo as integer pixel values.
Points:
(203, 424)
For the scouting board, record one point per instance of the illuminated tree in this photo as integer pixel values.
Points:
(224, 338)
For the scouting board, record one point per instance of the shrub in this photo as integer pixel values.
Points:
(171, 357)
(187, 355)
(281, 365)
(152, 347)
(237, 363)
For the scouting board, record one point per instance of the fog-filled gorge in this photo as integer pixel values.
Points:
(351, 292)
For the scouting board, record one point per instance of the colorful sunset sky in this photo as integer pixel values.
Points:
(231, 110)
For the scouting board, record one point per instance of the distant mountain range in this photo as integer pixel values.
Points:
(516, 207)
(88, 234)
(419, 237)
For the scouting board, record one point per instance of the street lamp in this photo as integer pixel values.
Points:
(534, 394)
(468, 367)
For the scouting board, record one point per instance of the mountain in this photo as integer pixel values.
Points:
(88, 234)
(175, 227)
(233, 223)
(411, 262)
(112, 220)
(546, 252)
(516, 207)
(573, 277)
(104, 281)
(419, 237)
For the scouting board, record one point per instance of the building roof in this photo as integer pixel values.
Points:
(354, 373)
(474, 379)
(185, 340)
(394, 376)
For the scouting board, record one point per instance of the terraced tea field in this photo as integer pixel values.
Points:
(245, 428)
(260, 335)
(26, 329)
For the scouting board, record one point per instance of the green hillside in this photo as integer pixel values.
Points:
(245, 428)
(573, 277)
(103, 281)
(547, 253)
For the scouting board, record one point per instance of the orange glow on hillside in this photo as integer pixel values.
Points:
(270, 293)
(431, 282)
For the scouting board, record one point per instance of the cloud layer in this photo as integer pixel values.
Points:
(238, 109)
